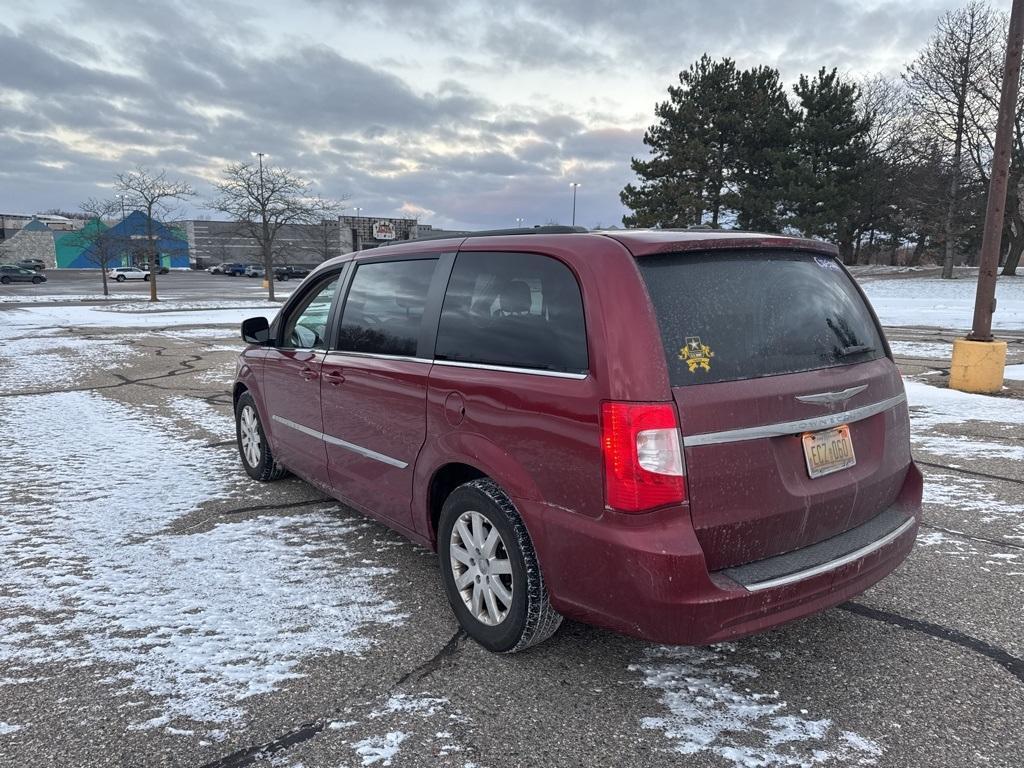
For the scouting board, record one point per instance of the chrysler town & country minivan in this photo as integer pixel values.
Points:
(686, 436)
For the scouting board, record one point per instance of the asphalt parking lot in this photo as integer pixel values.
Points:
(158, 608)
(86, 285)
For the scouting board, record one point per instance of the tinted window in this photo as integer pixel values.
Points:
(384, 308)
(516, 309)
(728, 316)
(306, 326)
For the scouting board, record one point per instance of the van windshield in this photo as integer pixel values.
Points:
(726, 316)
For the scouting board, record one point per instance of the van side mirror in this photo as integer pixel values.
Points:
(256, 330)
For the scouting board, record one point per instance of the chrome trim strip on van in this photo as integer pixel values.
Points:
(341, 443)
(511, 369)
(793, 427)
(377, 356)
(831, 565)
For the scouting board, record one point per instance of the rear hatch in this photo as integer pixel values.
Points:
(793, 416)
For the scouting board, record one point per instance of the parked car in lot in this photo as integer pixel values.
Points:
(235, 270)
(255, 270)
(685, 436)
(37, 265)
(120, 274)
(160, 270)
(12, 273)
(289, 271)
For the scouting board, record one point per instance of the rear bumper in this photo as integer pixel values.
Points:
(646, 575)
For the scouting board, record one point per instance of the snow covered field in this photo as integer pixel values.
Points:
(941, 303)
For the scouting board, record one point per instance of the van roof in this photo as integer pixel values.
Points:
(639, 242)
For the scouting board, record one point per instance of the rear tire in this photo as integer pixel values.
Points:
(5, 280)
(507, 568)
(253, 446)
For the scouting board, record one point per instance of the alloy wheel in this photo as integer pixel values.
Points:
(481, 567)
(249, 431)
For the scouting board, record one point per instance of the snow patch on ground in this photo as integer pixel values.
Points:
(177, 306)
(6, 729)
(55, 298)
(198, 620)
(203, 415)
(927, 350)
(932, 406)
(963, 447)
(941, 303)
(1014, 373)
(380, 749)
(973, 497)
(375, 731)
(218, 377)
(711, 708)
(24, 318)
(47, 359)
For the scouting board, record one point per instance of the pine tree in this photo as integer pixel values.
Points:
(764, 157)
(831, 154)
(693, 150)
(717, 151)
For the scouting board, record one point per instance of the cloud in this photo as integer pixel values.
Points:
(471, 116)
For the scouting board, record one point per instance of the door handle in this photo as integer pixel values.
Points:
(335, 378)
(308, 373)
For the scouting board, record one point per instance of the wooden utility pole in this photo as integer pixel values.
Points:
(979, 361)
(991, 243)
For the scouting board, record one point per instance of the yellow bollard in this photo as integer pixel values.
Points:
(266, 284)
(978, 366)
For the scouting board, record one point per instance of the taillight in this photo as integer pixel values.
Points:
(643, 458)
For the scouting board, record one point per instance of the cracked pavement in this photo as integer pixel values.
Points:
(158, 608)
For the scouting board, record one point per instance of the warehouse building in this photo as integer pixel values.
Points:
(220, 242)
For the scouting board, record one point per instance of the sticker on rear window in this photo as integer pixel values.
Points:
(696, 354)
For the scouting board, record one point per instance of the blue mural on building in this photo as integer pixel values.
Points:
(76, 252)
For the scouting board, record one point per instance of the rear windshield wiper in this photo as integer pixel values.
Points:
(855, 349)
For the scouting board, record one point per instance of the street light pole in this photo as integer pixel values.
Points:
(260, 156)
(979, 361)
(519, 222)
(575, 185)
(268, 267)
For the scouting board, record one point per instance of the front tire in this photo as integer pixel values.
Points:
(121, 278)
(253, 446)
(37, 280)
(5, 280)
(490, 571)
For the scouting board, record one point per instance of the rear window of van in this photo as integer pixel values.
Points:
(726, 316)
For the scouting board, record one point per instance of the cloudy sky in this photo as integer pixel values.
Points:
(463, 113)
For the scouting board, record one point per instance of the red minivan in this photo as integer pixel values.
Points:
(687, 436)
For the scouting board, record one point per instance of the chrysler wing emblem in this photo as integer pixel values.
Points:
(831, 398)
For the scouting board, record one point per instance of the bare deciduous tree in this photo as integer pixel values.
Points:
(153, 193)
(981, 145)
(100, 245)
(265, 198)
(942, 85)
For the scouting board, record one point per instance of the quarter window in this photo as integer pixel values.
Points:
(384, 309)
(306, 326)
(521, 310)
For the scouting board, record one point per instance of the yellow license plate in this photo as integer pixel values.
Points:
(829, 450)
